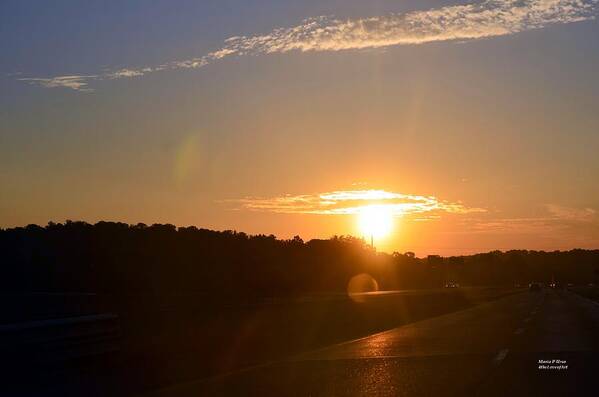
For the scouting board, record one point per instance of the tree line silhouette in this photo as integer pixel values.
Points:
(111, 257)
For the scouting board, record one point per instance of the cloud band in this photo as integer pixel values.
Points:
(489, 18)
(350, 202)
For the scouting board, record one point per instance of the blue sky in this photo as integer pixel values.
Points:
(492, 107)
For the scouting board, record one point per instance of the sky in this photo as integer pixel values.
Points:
(473, 125)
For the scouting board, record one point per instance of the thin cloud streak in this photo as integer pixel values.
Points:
(584, 215)
(486, 19)
(556, 218)
(75, 82)
(351, 202)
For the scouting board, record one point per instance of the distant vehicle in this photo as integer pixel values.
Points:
(452, 284)
(534, 287)
(570, 285)
(556, 285)
(516, 285)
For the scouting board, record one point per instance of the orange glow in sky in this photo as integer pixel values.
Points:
(350, 122)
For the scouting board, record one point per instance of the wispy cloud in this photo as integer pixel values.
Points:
(553, 218)
(562, 213)
(488, 18)
(79, 83)
(349, 202)
(122, 73)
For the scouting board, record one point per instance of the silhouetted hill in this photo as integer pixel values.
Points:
(116, 257)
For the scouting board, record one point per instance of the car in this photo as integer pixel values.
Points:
(452, 284)
(534, 287)
(556, 285)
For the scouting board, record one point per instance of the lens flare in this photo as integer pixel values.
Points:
(359, 285)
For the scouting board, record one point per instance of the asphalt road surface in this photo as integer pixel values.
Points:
(529, 344)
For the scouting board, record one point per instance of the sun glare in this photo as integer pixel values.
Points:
(375, 221)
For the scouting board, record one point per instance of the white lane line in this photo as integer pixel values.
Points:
(500, 356)
(519, 331)
(583, 299)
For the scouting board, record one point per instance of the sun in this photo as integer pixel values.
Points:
(375, 221)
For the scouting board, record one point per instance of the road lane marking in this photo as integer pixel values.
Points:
(500, 356)
(583, 299)
(519, 331)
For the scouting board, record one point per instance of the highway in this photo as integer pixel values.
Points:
(526, 344)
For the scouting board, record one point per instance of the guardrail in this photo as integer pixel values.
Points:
(60, 339)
